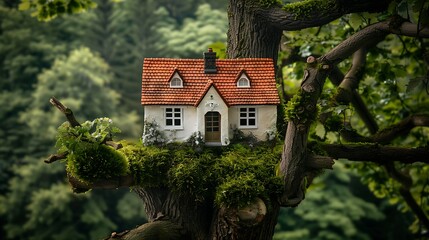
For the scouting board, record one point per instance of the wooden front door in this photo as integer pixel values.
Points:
(212, 121)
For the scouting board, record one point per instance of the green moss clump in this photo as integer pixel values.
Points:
(192, 173)
(148, 165)
(89, 162)
(230, 176)
(297, 109)
(239, 191)
(269, 3)
(244, 173)
(305, 8)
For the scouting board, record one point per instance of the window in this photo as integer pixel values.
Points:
(173, 118)
(243, 82)
(247, 117)
(176, 82)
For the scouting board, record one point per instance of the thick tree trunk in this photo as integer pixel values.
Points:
(193, 220)
(164, 205)
(248, 34)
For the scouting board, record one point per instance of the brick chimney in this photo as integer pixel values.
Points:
(210, 61)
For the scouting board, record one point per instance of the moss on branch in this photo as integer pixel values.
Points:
(269, 3)
(90, 162)
(231, 176)
(300, 109)
(303, 9)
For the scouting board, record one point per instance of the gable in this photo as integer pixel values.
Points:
(158, 72)
(176, 81)
(243, 81)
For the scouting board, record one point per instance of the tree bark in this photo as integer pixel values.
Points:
(249, 35)
(294, 156)
(377, 153)
(255, 30)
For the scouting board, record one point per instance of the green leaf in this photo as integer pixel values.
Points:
(355, 21)
(24, 5)
(416, 84)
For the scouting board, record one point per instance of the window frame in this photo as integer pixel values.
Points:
(247, 117)
(175, 79)
(243, 79)
(173, 118)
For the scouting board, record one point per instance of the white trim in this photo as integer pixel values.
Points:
(247, 117)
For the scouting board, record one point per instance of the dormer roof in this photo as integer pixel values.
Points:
(157, 73)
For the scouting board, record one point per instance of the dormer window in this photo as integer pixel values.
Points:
(176, 81)
(243, 81)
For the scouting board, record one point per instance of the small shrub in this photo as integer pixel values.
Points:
(152, 135)
(196, 140)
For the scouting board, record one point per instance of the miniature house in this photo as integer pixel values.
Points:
(210, 96)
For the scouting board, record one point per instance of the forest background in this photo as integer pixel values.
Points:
(92, 62)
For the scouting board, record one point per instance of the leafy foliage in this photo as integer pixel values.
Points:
(332, 209)
(152, 135)
(393, 69)
(88, 158)
(47, 10)
(196, 140)
(92, 62)
(97, 131)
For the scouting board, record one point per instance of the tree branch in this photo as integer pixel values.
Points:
(285, 18)
(376, 153)
(319, 162)
(79, 186)
(372, 34)
(414, 206)
(294, 152)
(406, 182)
(55, 157)
(401, 129)
(66, 111)
(163, 229)
(388, 134)
(347, 86)
(302, 113)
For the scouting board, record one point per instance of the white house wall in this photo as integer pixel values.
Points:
(213, 102)
(193, 118)
(156, 113)
(265, 122)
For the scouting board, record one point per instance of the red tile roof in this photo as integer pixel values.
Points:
(158, 71)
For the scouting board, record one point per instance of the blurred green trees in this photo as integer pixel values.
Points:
(92, 62)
